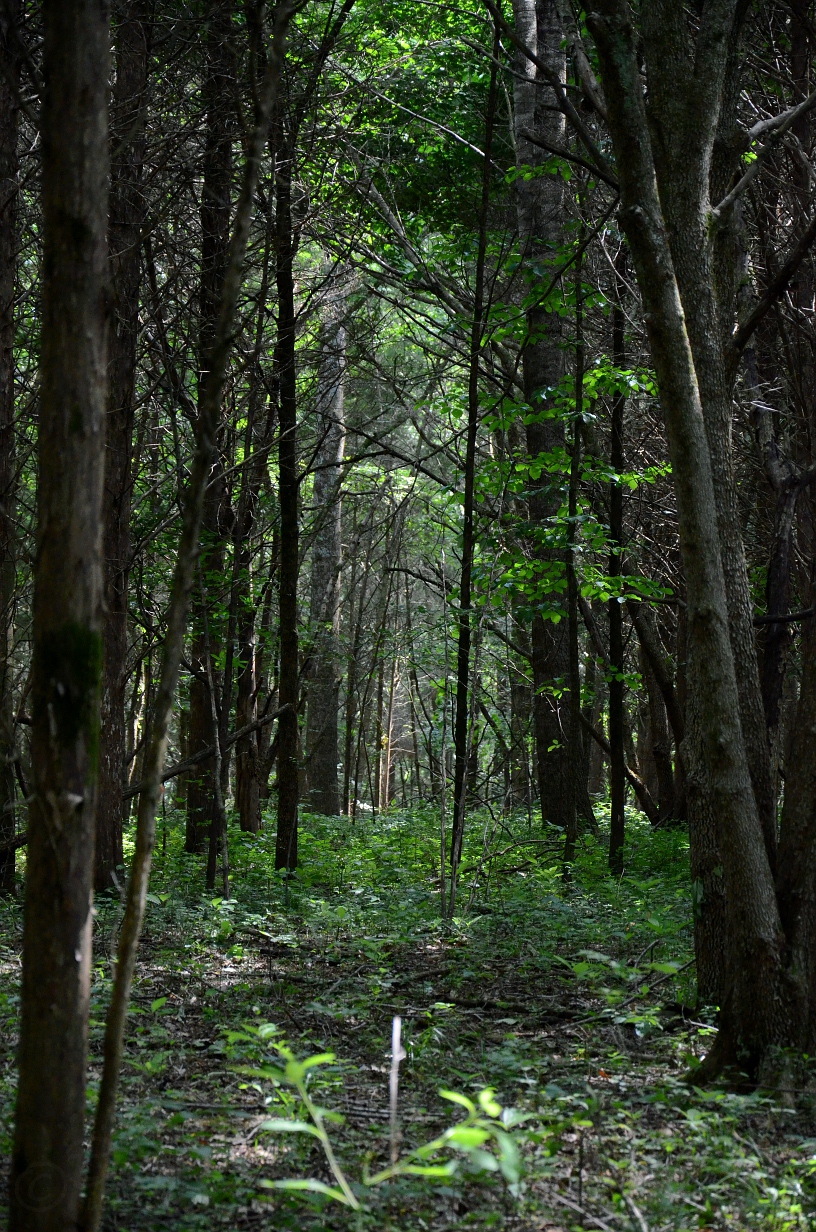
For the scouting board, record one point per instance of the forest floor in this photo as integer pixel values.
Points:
(566, 1000)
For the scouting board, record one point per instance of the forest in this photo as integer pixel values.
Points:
(407, 615)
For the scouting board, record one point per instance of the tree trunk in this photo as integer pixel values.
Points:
(127, 214)
(47, 1156)
(288, 770)
(352, 661)
(659, 742)
(215, 220)
(698, 153)
(324, 611)
(242, 602)
(247, 779)
(617, 761)
(796, 878)
(463, 726)
(574, 731)
(752, 1011)
(540, 205)
(9, 166)
(520, 707)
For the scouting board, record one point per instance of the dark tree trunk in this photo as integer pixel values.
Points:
(46, 1168)
(462, 727)
(324, 612)
(242, 600)
(127, 213)
(540, 205)
(617, 761)
(520, 782)
(576, 788)
(9, 85)
(247, 770)
(659, 742)
(796, 878)
(688, 170)
(286, 852)
(215, 219)
(352, 672)
(753, 1013)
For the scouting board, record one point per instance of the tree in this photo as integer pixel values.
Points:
(216, 193)
(324, 609)
(540, 205)
(46, 1167)
(766, 993)
(127, 216)
(9, 168)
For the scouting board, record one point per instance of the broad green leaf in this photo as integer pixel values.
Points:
(312, 1186)
(279, 1125)
(456, 1098)
(487, 1102)
(320, 1058)
(483, 1160)
(467, 1137)
(447, 1169)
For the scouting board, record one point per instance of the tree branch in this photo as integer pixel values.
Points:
(774, 289)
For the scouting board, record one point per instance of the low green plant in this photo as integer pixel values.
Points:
(486, 1125)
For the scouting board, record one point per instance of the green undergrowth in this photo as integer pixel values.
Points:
(553, 1014)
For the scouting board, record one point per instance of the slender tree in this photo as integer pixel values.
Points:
(216, 192)
(127, 215)
(46, 1168)
(540, 209)
(9, 167)
(617, 772)
(324, 610)
(462, 732)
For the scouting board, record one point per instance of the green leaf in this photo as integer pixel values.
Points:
(484, 1161)
(509, 1158)
(157, 1004)
(312, 1186)
(279, 1125)
(487, 1099)
(320, 1058)
(266, 1071)
(447, 1169)
(466, 1137)
(456, 1098)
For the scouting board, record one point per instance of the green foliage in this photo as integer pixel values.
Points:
(559, 1001)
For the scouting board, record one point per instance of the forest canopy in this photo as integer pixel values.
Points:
(407, 653)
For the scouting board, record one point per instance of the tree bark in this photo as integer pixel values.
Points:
(286, 850)
(694, 154)
(796, 877)
(9, 166)
(752, 1016)
(215, 220)
(462, 728)
(659, 742)
(127, 214)
(617, 762)
(47, 1156)
(324, 611)
(540, 210)
(257, 444)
